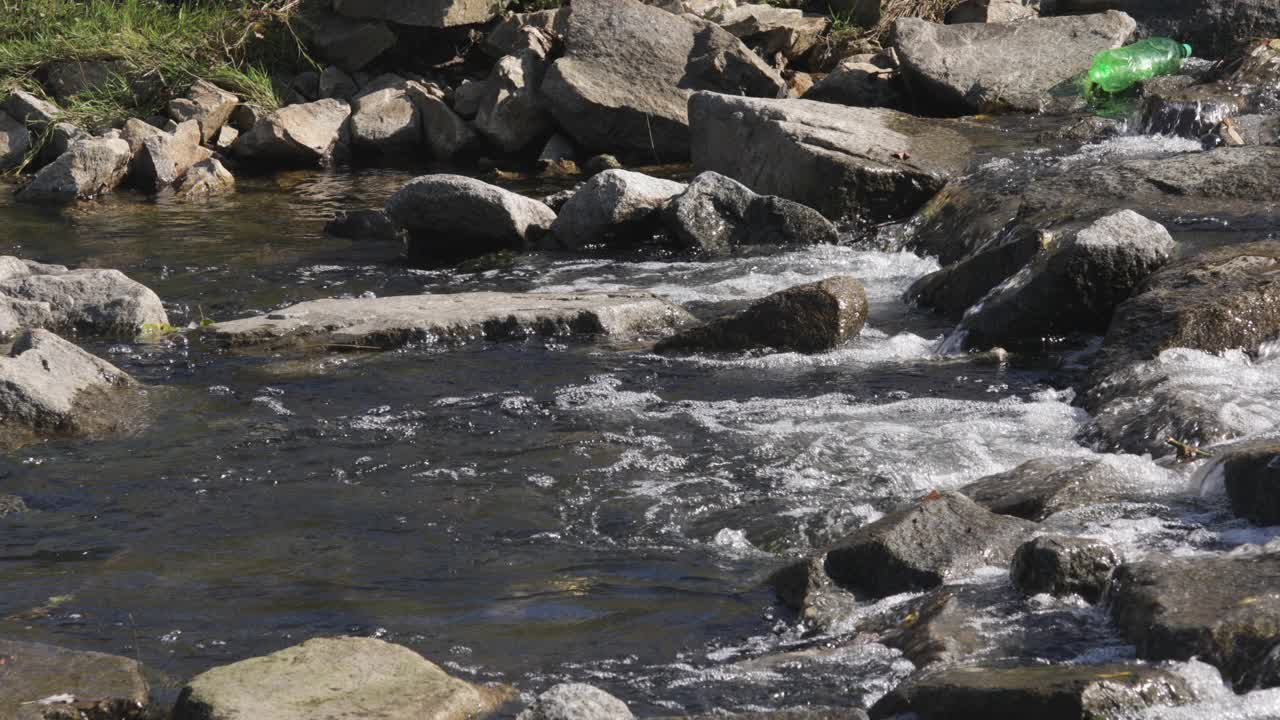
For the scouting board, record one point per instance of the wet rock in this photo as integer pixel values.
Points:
(30, 110)
(423, 13)
(628, 69)
(393, 321)
(805, 587)
(946, 625)
(821, 713)
(510, 115)
(984, 11)
(296, 135)
(85, 301)
(509, 35)
(362, 225)
(386, 118)
(1214, 29)
(1073, 285)
(163, 160)
(104, 687)
(14, 142)
(615, 206)
(449, 217)
(1251, 475)
(924, 544)
(1039, 488)
(1064, 566)
(445, 134)
(715, 215)
(332, 678)
(11, 505)
(88, 169)
(207, 104)
(1085, 130)
(205, 179)
(1251, 129)
(1221, 609)
(1045, 692)
(951, 69)
(860, 84)
(844, 162)
(771, 30)
(349, 44)
(576, 701)
(809, 318)
(337, 84)
(48, 385)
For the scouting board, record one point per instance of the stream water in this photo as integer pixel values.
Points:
(528, 512)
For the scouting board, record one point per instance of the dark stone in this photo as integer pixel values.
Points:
(1214, 28)
(1039, 488)
(807, 318)
(106, 687)
(942, 626)
(1064, 566)
(805, 587)
(65, 80)
(362, 225)
(1251, 474)
(599, 163)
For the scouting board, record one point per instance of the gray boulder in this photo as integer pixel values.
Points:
(29, 109)
(1221, 609)
(1064, 566)
(88, 169)
(444, 132)
(860, 84)
(468, 96)
(946, 625)
(206, 179)
(1039, 488)
(510, 115)
(772, 30)
(810, 318)
(14, 142)
(615, 206)
(59, 140)
(209, 105)
(921, 546)
(333, 678)
(136, 132)
(715, 215)
(510, 35)
(384, 117)
(393, 321)
(86, 301)
(423, 13)
(296, 135)
(576, 701)
(966, 69)
(450, 217)
(805, 587)
(337, 84)
(226, 138)
(1044, 692)
(163, 159)
(347, 43)
(844, 162)
(1216, 29)
(628, 69)
(1073, 285)
(106, 687)
(1251, 474)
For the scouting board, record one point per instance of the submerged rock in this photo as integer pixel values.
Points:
(388, 322)
(331, 679)
(1222, 609)
(449, 217)
(209, 105)
(296, 135)
(870, 163)
(990, 67)
(945, 625)
(805, 587)
(206, 179)
(1064, 566)
(43, 681)
(715, 215)
(810, 318)
(613, 207)
(362, 225)
(1039, 488)
(86, 301)
(576, 701)
(1251, 476)
(88, 169)
(923, 545)
(628, 69)
(1043, 692)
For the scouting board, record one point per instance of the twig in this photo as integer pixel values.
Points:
(1187, 452)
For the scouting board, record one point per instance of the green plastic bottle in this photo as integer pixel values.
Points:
(1118, 70)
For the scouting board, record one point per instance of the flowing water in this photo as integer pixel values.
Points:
(529, 512)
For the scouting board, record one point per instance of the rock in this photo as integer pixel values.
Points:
(226, 138)
(445, 134)
(14, 142)
(509, 114)
(771, 30)
(29, 109)
(1251, 475)
(860, 84)
(85, 301)
(1039, 488)
(336, 84)
(88, 169)
(945, 625)
(964, 69)
(468, 96)
(205, 179)
(450, 217)
(1064, 566)
(816, 713)
(990, 11)
(60, 140)
(613, 207)
(349, 44)
(810, 318)
(136, 132)
(1073, 285)
(303, 135)
(362, 225)
(207, 104)
(386, 118)
(558, 150)
(576, 701)
(65, 80)
(422, 13)
(1251, 129)
(805, 587)
(834, 49)
(48, 385)
(104, 687)
(798, 83)
(921, 546)
(245, 116)
(628, 69)
(11, 505)
(332, 678)
(844, 162)
(163, 159)
(1221, 609)
(1216, 29)
(597, 164)
(715, 215)
(1175, 105)
(1044, 692)
(509, 35)
(393, 321)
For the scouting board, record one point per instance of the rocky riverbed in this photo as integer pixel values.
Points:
(653, 360)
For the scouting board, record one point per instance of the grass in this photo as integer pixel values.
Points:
(157, 47)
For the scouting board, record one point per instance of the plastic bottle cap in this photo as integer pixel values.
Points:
(1186, 50)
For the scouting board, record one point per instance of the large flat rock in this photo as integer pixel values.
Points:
(104, 687)
(393, 321)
